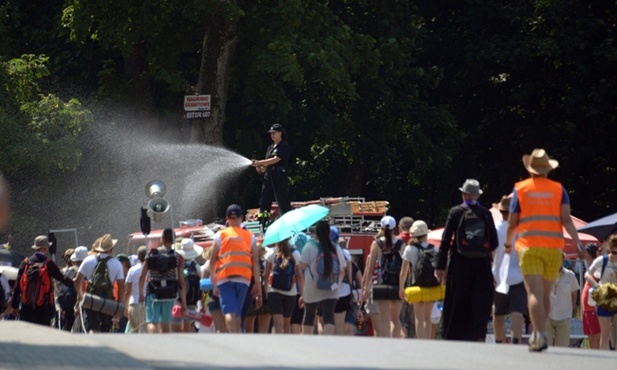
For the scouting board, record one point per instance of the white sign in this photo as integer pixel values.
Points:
(194, 103)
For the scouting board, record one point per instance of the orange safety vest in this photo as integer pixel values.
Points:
(234, 254)
(539, 223)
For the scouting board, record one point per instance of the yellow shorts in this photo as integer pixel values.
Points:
(541, 261)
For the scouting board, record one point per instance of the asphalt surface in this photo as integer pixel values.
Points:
(27, 346)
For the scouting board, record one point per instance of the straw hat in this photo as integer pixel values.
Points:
(104, 244)
(538, 162)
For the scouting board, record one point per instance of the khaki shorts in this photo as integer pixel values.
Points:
(541, 261)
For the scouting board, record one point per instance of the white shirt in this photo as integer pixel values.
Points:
(610, 271)
(270, 257)
(506, 269)
(345, 287)
(114, 267)
(132, 277)
(561, 295)
(5, 285)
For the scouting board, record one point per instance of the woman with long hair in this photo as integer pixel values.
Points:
(591, 324)
(325, 266)
(281, 273)
(603, 270)
(387, 250)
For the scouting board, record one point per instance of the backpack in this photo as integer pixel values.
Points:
(472, 234)
(35, 284)
(67, 295)
(192, 283)
(391, 262)
(424, 270)
(283, 278)
(163, 274)
(330, 281)
(100, 284)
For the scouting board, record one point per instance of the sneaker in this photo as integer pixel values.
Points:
(539, 344)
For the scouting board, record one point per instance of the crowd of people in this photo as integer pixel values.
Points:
(304, 285)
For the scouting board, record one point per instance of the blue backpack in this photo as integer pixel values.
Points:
(326, 282)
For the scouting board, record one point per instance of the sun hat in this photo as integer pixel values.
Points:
(418, 228)
(504, 203)
(538, 162)
(40, 241)
(471, 186)
(79, 254)
(388, 222)
(104, 244)
(189, 250)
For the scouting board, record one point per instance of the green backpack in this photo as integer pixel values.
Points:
(100, 284)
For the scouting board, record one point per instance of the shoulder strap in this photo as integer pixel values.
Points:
(604, 263)
(379, 242)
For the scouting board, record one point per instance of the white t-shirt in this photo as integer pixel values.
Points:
(270, 257)
(309, 256)
(132, 277)
(114, 267)
(610, 271)
(561, 295)
(345, 287)
(5, 286)
(510, 272)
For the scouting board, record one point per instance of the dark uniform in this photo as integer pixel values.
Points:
(275, 186)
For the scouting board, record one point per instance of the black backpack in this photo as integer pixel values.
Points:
(191, 281)
(67, 295)
(283, 278)
(163, 274)
(424, 270)
(472, 234)
(391, 262)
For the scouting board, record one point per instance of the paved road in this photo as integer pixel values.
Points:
(26, 346)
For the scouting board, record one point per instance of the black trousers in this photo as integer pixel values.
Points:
(39, 315)
(275, 187)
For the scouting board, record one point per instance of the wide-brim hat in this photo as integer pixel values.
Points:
(539, 163)
(504, 203)
(104, 244)
(41, 241)
(419, 228)
(471, 186)
(189, 250)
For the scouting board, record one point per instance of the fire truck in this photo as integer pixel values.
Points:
(356, 218)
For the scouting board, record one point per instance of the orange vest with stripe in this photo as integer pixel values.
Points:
(234, 257)
(539, 223)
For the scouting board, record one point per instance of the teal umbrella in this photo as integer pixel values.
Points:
(294, 222)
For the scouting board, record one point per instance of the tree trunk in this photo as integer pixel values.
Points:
(218, 47)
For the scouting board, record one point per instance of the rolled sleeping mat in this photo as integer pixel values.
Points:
(206, 284)
(105, 306)
(415, 294)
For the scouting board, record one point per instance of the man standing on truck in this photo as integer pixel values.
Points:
(275, 184)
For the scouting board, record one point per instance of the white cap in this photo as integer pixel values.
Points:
(388, 222)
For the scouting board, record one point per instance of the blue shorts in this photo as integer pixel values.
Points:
(158, 311)
(350, 316)
(601, 312)
(231, 296)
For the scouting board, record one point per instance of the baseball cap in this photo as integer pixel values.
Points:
(388, 222)
(334, 233)
(234, 210)
(276, 127)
